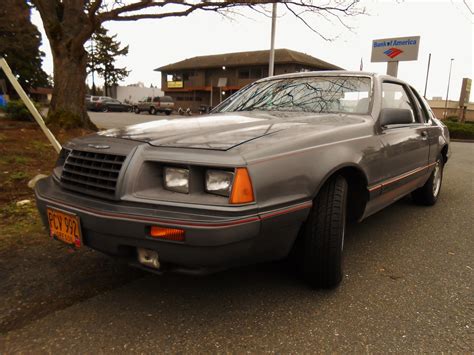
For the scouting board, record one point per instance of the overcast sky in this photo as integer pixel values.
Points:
(445, 26)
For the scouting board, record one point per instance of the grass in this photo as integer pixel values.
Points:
(18, 176)
(40, 146)
(460, 130)
(20, 225)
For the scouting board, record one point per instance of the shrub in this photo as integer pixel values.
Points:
(460, 130)
(16, 110)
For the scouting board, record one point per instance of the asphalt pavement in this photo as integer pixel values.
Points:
(106, 120)
(408, 286)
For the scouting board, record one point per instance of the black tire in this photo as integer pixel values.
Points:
(168, 113)
(136, 110)
(323, 235)
(152, 111)
(105, 109)
(427, 195)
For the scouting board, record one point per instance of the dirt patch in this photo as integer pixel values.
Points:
(38, 275)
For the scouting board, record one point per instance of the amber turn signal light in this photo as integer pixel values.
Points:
(173, 234)
(242, 190)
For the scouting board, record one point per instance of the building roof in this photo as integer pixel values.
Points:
(282, 56)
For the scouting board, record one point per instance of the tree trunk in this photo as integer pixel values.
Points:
(67, 108)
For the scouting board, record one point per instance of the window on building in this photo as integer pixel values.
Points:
(244, 74)
(256, 73)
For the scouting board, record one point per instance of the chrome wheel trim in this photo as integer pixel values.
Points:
(437, 179)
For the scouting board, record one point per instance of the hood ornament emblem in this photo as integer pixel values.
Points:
(98, 146)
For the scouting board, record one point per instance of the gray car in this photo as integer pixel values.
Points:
(277, 169)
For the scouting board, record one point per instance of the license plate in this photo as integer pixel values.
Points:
(65, 227)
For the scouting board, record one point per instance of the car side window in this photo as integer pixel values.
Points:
(395, 96)
(425, 114)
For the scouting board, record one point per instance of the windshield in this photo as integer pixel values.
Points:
(336, 94)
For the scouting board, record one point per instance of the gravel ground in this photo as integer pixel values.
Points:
(408, 287)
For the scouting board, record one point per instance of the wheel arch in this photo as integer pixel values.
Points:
(358, 194)
(444, 153)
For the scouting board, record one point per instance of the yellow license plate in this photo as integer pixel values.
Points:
(65, 227)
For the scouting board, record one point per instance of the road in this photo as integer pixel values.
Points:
(408, 286)
(106, 120)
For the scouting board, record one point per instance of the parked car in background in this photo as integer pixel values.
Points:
(91, 101)
(109, 104)
(153, 105)
(275, 170)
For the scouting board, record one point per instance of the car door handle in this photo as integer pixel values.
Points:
(424, 135)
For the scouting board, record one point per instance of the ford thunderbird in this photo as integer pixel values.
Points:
(277, 169)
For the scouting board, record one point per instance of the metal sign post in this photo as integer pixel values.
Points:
(29, 105)
(394, 50)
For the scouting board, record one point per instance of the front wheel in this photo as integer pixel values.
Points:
(137, 110)
(105, 109)
(168, 113)
(152, 111)
(428, 194)
(323, 235)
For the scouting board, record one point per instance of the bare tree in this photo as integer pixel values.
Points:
(69, 24)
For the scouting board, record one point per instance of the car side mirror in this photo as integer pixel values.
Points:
(390, 116)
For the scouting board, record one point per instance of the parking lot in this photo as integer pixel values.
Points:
(106, 120)
(407, 287)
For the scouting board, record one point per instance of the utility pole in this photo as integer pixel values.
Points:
(447, 91)
(427, 74)
(271, 65)
(93, 66)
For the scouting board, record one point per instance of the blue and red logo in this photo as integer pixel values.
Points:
(393, 52)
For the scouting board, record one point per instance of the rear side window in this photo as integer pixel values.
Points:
(425, 115)
(166, 99)
(395, 96)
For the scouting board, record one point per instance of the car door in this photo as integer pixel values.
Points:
(117, 105)
(433, 130)
(406, 146)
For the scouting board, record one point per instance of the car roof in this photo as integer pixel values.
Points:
(323, 73)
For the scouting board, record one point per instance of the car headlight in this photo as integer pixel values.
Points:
(219, 182)
(176, 179)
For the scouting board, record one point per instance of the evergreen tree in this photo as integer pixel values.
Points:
(103, 51)
(19, 44)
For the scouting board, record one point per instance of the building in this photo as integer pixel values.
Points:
(207, 80)
(438, 105)
(135, 92)
(41, 95)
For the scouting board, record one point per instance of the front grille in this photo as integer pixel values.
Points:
(92, 173)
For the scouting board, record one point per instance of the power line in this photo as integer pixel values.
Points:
(465, 3)
(469, 18)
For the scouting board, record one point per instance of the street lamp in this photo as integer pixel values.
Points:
(271, 64)
(447, 91)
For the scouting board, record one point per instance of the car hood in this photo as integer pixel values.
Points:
(225, 131)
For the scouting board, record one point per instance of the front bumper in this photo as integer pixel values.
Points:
(213, 241)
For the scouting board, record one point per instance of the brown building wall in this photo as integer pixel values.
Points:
(453, 112)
